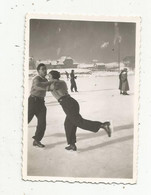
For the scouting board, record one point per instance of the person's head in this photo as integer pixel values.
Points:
(125, 69)
(42, 70)
(54, 74)
(72, 71)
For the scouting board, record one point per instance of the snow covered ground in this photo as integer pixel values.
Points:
(97, 156)
(81, 72)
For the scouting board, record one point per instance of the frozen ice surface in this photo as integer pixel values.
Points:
(98, 156)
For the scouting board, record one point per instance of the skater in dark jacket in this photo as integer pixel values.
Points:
(123, 85)
(73, 82)
(71, 108)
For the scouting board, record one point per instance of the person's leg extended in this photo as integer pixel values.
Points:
(71, 108)
(89, 125)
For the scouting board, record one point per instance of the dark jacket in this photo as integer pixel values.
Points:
(123, 85)
(72, 77)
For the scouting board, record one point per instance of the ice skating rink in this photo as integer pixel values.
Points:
(98, 156)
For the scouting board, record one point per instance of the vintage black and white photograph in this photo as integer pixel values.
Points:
(81, 86)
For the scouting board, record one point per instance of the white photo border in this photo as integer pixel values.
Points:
(127, 19)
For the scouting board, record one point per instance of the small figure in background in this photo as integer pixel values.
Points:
(123, 86)
(67, 75)
(73, 83)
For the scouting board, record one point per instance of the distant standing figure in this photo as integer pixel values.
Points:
(123, 86)
(67, 75)
(73, 83)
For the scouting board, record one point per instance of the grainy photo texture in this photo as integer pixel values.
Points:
(81, 98)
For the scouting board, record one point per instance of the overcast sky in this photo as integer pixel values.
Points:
(81, 40)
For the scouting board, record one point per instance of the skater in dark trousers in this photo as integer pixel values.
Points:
(73, 82)
(123, 86)
(36, 103)
(71, 108)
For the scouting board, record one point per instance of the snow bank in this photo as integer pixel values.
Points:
(81, 72)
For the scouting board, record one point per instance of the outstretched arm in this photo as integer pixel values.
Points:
(41, 85)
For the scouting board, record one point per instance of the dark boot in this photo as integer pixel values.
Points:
(106, 127)
(38, 144)
(71, 147)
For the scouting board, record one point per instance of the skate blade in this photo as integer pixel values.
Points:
(111, 127)
(72, 152)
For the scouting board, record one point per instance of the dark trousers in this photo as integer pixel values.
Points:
(74, 119)
(73, 85)
(36, 106)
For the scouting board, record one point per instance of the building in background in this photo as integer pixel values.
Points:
(63, 62)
